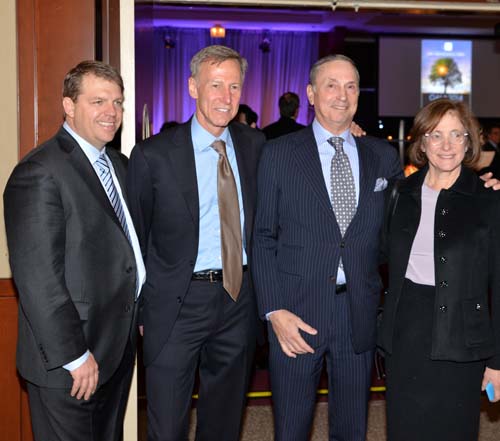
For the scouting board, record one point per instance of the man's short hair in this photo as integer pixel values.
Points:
(289, 103)
(73, 79)
(250, 116)
(217, 54)
(490, 128)
(336, 57)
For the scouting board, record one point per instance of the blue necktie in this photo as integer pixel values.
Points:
(109, 186)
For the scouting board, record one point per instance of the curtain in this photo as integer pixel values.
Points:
(284, 68)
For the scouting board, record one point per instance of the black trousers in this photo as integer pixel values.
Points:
(56, 416)
(216, 335)
(429, 400)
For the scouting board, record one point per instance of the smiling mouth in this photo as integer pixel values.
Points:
(107, 125)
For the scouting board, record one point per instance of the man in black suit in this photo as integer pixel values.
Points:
(193, 321)
(493, 139)
(289, 104)
(77, 265)
(319, 212)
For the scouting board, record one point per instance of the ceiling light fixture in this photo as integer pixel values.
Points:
(217, 31)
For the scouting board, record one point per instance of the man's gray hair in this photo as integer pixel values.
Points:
(336, 57)
(217, 54)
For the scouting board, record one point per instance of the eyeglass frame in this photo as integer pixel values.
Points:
(427, 136)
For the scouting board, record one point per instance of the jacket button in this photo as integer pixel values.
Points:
(443, 308)
(443, 259)
(443, 284)
(444, 211)
(129, 270)
(342, 244)
(333, 279)
(478, 306)
(441, 234)
(191, 263)
(179, 300)
(127, 308)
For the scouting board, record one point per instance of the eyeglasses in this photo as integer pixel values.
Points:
(437, 138)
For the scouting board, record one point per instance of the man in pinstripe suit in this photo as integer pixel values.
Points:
(319, 288)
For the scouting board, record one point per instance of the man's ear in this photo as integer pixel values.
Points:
(68, 106)
(310, 94)
(193, 90)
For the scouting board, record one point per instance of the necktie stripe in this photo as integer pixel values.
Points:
(109, 187)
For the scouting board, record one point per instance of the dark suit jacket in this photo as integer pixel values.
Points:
(281, 127)
(297, 243)
(488, 147)
(467, 262)
(72, 264)
(163, 195)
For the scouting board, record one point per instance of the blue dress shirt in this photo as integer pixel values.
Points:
(206, 158)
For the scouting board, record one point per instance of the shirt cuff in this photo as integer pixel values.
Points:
(75, 364)
(269, 314)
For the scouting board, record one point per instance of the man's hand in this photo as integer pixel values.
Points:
(492, 376)
(356, 130)
(85, 379)
(141, 330)
(286, 326)
(490, 181)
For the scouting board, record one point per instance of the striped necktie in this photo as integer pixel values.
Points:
(113, 196)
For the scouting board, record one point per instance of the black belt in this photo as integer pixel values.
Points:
(339, 289)
(211, 275)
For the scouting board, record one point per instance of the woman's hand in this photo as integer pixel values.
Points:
(492, 376)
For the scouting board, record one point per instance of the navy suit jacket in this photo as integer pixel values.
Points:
(164, 203)
(297, 241)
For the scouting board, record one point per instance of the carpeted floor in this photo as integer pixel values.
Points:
(258, 424)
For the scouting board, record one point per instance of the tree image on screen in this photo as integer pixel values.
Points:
(446, 72)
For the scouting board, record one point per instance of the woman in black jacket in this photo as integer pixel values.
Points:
(441, 324)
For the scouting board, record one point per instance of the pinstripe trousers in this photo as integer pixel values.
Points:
(294, 383)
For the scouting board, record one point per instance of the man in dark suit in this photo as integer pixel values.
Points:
(199, 307)
(319, 212)
(493, 139)
(77, 265)
(289, 104)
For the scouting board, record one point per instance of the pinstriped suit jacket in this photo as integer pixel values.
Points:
(297, 241)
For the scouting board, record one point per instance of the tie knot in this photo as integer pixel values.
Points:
(102, 162)
(337, 143)
(220, 147)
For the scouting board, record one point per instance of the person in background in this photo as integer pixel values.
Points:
(167, 124)
(77, 265)
(289, 104)
(440, 330)
(492, 139)
(246, 116)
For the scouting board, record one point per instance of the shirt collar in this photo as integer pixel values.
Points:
(202, 139)
(91, 152)
(322, 135)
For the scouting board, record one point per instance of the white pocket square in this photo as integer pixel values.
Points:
(380, 184)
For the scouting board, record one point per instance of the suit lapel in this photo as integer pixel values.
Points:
(181, 157)
(306, 156)
(85, 170)
(240, 140)
(368, 168)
